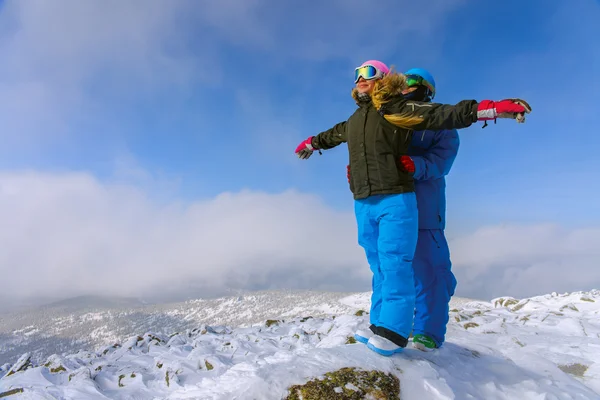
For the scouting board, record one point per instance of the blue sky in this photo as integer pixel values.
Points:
(183, 101)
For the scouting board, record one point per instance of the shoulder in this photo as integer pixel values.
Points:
(447, 138)
(447, 133)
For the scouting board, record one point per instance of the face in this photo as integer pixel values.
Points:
(409, 90)
(365, 86)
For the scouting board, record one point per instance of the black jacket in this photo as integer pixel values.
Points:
(377, 137)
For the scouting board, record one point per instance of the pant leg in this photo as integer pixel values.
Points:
(368, 232)
(398, 232)
(424, 280)
(434, 284)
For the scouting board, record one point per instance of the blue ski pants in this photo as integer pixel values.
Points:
(434, 283)
(388, 230)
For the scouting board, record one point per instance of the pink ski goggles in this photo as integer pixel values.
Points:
(367, 72)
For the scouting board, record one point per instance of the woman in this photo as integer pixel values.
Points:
(378, 134)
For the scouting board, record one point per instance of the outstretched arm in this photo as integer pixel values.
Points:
(418, 115)
(325, 140)
(331, 137)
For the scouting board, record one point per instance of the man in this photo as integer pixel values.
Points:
(429, 159)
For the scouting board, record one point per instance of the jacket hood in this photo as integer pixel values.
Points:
(385, 89)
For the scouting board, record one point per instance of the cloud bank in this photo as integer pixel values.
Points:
(65, 235)
(70, 234)
(526, 260)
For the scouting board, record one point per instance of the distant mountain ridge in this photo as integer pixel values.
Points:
(93, 302)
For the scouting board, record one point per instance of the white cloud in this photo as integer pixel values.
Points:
(526, 260)
(70, 234)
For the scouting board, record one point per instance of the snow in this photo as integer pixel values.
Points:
(545, 347)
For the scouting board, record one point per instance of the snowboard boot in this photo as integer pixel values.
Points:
(424, 342)
(363, 335)
(383, 346)
(386, 342)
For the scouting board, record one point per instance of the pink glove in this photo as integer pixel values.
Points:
(508, 108)
(305, 149)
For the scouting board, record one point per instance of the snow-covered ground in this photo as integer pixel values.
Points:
(546, 347)
(88, 323)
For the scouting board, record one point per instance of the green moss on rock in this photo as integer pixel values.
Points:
(576, 369)
(588, 299)
(505, 302)
(23, 364)
(208, 365)
(271, 322)
(569, 307)
(348, 384)
(519, 305)
(11, 392)
(350, 340)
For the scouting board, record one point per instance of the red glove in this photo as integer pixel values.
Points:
(508, 108)
(407, 164)
(305, 149)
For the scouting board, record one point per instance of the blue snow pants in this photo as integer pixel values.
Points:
(387, 230)
(434, 283)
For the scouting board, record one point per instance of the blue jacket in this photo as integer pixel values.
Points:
(433, 153)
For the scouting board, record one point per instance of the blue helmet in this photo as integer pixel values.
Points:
(427, 80)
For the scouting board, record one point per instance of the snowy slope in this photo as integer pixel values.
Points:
(64, 328)
(545, 347)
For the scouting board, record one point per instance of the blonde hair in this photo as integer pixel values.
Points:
(392, 84)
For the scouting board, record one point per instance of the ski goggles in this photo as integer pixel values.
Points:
(367, 72)
(416, 80)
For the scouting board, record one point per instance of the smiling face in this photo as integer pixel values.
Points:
(365, 86)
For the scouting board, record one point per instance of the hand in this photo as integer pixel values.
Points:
(407, 164)
(305, 149)
(508, 108)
